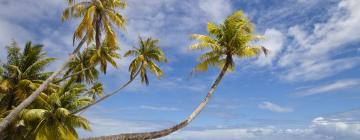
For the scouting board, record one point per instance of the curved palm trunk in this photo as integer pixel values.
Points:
(106, 96)
(13, 114)
(165, 132)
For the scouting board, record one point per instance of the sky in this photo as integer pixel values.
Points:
(307, 88)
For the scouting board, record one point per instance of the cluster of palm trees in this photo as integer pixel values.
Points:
(35, 104)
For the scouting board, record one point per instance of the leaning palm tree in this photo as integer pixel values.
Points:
(146, 56)
(224, 42)
(98, 15)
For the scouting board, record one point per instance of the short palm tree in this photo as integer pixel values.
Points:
(98, 15)
(81, 68)
(22, 74)
(52, 118)
(95, 91)
(146, 57)
(224, 42)
(104, 55)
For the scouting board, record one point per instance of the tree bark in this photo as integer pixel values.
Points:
(167, 131)
(106, 96)
(97, 30)
(13, 114)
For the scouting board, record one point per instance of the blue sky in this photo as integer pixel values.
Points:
(306, 89)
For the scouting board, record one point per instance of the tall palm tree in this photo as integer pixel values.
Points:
(224, 42)
(52, 118)
(146, 56)
(98, 15)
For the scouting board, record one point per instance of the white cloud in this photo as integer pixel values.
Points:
(158, 108)
(274, 40)
(172, 21)
(103, 124)
(319, 129)
(318, 68)
(217, 10)
(274, 107)
(338, 85)
(336, 128)
(311, 56)
(20, 23)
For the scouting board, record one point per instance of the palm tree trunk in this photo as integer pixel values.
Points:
(106, 96)
(165, 132)
(97, 30)
(11, 100)
(13, 114)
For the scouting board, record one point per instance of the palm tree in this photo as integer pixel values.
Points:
(104, 55)
(52, 118)
(145, 59)
(21, 74)
(145, 55)
(97, 15)
(95, 91)
(224, 42)
(81, 68)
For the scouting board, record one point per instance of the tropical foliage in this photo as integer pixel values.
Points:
(49, 117)
(56, 97)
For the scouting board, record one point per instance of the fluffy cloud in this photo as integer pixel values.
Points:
(274, 40)
(172, 21)
(311, 56)
(274, 107)
(217, 10)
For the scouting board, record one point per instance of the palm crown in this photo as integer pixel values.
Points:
(97, 15)
(232, 38)
(145, 57)
(82, 67)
